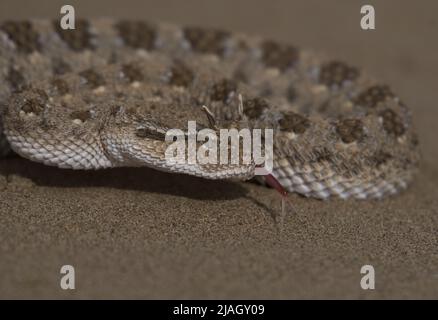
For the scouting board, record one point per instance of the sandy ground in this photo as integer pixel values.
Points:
(138, 233)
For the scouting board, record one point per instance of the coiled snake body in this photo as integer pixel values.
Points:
(104, 94)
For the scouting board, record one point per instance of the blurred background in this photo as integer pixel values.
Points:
(161, 242)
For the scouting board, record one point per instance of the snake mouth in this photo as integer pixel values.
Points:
(214, 172)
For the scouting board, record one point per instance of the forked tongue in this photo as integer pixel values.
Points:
(274, 183)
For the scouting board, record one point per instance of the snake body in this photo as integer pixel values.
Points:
(104, 94)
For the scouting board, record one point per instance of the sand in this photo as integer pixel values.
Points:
(138, 233)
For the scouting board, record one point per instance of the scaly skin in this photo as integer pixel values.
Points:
(104, 94)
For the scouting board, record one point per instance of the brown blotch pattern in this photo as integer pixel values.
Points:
(79, 38)
(392, 123)
(254, 108)
(373, 95)
(335, 73)
(36, 104)
(295, 122)
(380, 158)
(221, 91)
(32, 106)
(82, 115)
(16, 80)
(132, 73)
(137, 34)
(322, 154)
(23, 35)
(94, 80)
(275, 55)
(206, 40)
(180, 75)
(60, 85)
(350, 130)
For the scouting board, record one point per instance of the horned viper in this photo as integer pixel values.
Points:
(103, 95)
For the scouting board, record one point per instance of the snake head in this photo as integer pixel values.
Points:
(194, 148)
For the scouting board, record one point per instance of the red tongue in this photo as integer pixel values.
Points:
(273, 182)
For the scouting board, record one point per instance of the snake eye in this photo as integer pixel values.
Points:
(141, 132)
(149, 133)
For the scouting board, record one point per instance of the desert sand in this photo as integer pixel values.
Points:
(139, 233)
